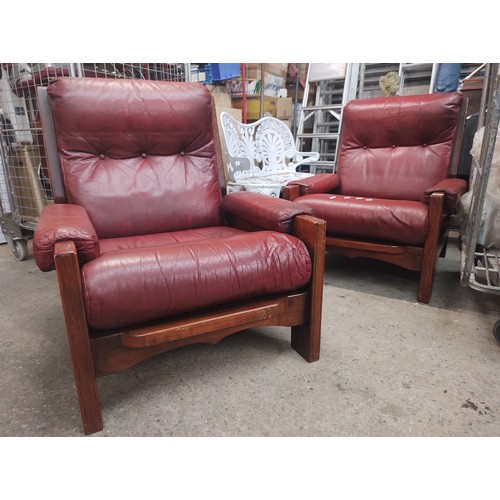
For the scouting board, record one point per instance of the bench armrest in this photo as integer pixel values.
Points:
(240, 166)
(304, 157)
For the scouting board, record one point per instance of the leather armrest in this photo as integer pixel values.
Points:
(319, 183)
(62, 222)
(261, 211)
(453, 190)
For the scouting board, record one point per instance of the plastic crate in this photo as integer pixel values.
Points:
(224, 71)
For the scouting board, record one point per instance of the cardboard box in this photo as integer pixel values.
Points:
(273, 85)
(28, 193)
(284, 108)
(221, 95)
(254, 71)
(288, 123)
(253, 106)
(278, 69)
(327, 71)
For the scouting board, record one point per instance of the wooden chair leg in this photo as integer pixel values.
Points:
(426, 283)
(306, 338)
(436, 203)
(442, 253)
(68, 274)
(86, 386)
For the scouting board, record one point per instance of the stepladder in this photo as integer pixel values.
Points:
(328, 87)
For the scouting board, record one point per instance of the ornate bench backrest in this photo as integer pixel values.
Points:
(265, 147)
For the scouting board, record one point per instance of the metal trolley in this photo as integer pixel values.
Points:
(24, 183)
(480, 264)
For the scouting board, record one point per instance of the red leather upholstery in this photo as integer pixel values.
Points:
(319, 183)
(394, 151)
(127, 287)
(393, 221)
(145, 207)
(397, 147)
(61, 223)
(276, 214)
(164, 239)
(148, 255)
(453, 189)
(391, 197)
(160, 157)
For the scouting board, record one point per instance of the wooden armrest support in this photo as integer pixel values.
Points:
(64, 247)
(290, 192)
(312, 231)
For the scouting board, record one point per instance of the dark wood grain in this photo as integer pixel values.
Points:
(407, 257)
(419, 259)
(122, 350)
(306, 337)
(290, 192)
(431, 247)
(101, 353)
(70, 286)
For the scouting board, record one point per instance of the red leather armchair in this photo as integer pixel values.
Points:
(149, 255)
(392, 196)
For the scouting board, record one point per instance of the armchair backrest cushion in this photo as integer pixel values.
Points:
(397, 147)
(139, 156)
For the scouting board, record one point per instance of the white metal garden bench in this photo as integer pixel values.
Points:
(261, 156)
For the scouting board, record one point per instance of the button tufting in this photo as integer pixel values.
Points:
(394, 145)
(365, 147)
(144, 155)
(182, 153)
(424, 145)
(101, 157)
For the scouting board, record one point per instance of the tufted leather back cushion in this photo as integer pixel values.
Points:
(397, 147)
(139, 156)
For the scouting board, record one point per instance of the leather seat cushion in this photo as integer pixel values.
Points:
(170, 238)
(136, 285)
(393, 221)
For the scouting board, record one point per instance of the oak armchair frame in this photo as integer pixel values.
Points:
(98, 353)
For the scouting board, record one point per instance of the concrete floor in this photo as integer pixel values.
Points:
(389, 366)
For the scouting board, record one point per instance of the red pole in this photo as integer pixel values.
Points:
(244, 91)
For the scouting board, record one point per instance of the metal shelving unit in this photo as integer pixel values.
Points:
(480, 263)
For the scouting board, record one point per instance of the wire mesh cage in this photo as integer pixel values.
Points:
(480, 252)
(24, 181)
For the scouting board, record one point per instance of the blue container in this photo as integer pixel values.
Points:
(224, 71)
